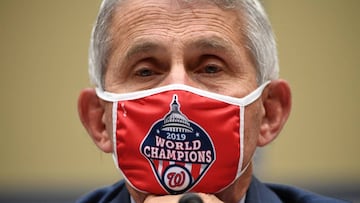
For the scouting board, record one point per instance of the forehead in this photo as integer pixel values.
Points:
(176, 18)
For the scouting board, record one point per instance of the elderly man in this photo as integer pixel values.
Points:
(186, 90)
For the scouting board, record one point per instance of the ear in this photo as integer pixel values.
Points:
(276, 100)
(91, 112)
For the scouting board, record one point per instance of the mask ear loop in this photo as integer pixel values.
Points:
(242, 169)
(254, 95)
(248, 100)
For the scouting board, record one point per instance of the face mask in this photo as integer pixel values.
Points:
(176, 138)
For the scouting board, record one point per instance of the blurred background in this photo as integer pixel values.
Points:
(46, 155)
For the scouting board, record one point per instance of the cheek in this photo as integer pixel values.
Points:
(252, 129)
(107, 120)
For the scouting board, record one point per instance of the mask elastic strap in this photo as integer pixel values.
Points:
(247, 100)
(254, 95)
(242, 171)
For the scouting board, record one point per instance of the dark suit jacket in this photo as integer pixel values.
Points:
(257, 193)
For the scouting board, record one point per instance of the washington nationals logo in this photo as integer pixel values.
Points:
(179, 150)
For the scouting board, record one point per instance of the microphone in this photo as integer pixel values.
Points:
(190, 198)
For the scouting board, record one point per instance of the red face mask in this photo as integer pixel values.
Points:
(176, 138)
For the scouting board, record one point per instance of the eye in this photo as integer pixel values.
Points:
(144, 72)
(211, 69)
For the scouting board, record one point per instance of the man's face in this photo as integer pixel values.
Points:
(157, 43)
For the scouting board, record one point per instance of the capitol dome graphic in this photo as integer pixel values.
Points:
(175, 121)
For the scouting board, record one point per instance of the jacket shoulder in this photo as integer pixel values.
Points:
(297, 195)
(114, 193)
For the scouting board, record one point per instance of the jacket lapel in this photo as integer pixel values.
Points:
(259, 192)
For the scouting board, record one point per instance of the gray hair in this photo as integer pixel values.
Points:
(260, 40)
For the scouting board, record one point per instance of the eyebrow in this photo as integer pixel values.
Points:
(143, 47)
(213, 43)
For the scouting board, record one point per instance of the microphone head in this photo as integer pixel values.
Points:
(190, 198)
